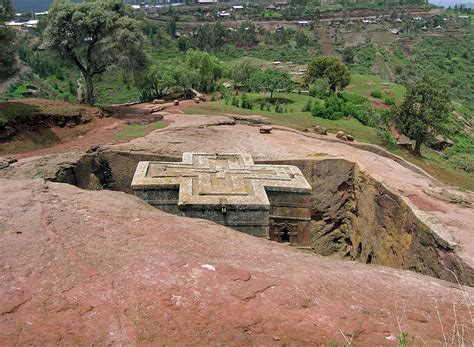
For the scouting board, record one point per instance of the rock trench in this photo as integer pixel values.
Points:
(353, 215)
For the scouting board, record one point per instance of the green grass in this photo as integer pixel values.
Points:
(133, 131)
(113, 88)
(297, 119)
(366, 84)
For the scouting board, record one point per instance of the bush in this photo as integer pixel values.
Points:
(386, 137)
(334, 108)
(320, 89)
(235, 102)
(389, 101)
(377, 94)
(307, 106)
(347, 105)
(246, 103)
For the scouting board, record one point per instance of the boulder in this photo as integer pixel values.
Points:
(158, 102)
(340, 135)
(197, 100)
(6, 162)
(156, 109)
(349, 138)
(266, 129)
(321, 130)
(176, 102)
(441, 142)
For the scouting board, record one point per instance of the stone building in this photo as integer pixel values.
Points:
(270, 201)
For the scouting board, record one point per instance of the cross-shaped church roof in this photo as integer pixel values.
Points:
(219, 179)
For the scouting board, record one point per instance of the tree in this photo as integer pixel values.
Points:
(246, 35)
(8, 52)
(424, 110)
(186, 78)
(6, 9)
(337, 74)
(95, 35)
(156, 82)
(208, 67)
(270, 80)
(243, 71)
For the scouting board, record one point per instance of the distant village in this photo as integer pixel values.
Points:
(28, 22)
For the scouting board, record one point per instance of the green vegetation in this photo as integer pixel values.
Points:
(450, 62)
(7, 39)
(424, 111)
(366, 84)
(342, 105)
(294, 118)
(330, 68)
(93, 36)
(270, 80)
(133, 131)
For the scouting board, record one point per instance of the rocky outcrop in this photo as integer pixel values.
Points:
(355, 216)
(83, 267)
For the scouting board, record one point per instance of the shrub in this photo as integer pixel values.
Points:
(235, 102)
(307, 106)
(320, 89)
(389, 101)
(386, 137)
(279, 109)
(377, 94)
(246, 103)
(347, 105)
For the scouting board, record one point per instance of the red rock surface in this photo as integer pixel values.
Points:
(89, 267)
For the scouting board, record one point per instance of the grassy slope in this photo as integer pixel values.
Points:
(365, 84)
